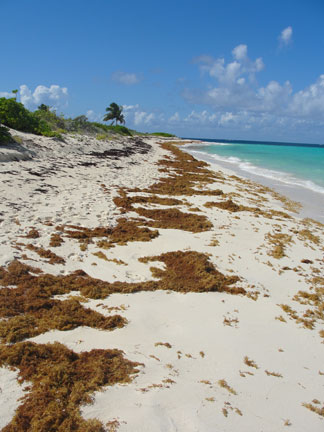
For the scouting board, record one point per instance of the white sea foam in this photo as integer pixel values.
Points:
(280, 176)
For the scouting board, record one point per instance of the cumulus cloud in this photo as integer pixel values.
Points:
(142, 117)
(240, 52)
(125, 78)
(93, 116)
(245, 123)
(310, 101)
(137, 116)
(226, 118)
(127, 108)
(175, 118)
(6, 95)
(239, 70)
(54, 96)
(285, 37)
(201, 118)
(236, 90)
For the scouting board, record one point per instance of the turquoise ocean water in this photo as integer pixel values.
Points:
(295, 168)
(297, 164)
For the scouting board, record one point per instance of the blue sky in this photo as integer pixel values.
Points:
(250, 69)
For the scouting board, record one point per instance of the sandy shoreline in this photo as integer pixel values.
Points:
(209, 284)
(312, 201)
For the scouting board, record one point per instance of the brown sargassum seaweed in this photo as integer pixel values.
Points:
(125, 231)
(30, 309)
(62, 380)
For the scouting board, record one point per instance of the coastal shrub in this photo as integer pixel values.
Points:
(163, 134)
(119, 129)
(14, 115)
(50, 124)
(5, 136)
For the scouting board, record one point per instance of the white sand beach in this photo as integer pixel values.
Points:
(218, 285)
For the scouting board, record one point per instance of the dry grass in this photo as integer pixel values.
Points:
(61, 381)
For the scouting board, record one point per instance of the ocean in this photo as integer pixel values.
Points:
(296, 170)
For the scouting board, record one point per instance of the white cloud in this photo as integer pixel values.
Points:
(273, 96)
(226, 118)
(310, 101)
(127, 108)
(6, 95)
(201, 118)
(232, 73)
(240, 52)
(93, 116)
(175, 118)
(136, 116)
(54, 96)
(285, 37)
(142, 117)
(125, 78)
(236, 90)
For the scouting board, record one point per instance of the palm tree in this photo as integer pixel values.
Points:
(15, 92)
(114, 112)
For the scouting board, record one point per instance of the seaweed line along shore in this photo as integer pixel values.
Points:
(143, 290)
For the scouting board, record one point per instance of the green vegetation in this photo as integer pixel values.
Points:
(45, 121)
(114, 112)
(118, 129)
(4, 135)
(163, 134)
(14, 115)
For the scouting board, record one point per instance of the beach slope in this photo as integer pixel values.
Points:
(143, 291)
